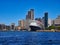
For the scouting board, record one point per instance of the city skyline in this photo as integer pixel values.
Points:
(13, 10)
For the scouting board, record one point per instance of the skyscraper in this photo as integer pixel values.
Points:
(49, 22)
(27, 17)
(46, 20)
(30, 14)
(43, 22)
(19, 22)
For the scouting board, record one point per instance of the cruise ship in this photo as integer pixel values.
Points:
(35, 25)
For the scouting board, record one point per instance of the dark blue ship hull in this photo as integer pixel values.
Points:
(34, 28)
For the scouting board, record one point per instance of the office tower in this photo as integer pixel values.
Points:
(21, 24)
(46, 20)
(49, 22)
(30, 15)
(27, 17)
(12, 26)
(53, 22)
(43, 22)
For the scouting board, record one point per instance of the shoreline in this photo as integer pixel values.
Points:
(30, 31)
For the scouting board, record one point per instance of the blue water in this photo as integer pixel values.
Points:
(29, 38)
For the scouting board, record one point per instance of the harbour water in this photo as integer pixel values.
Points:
(29, 38)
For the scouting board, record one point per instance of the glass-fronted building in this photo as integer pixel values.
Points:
(46, 20)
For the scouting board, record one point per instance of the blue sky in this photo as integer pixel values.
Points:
(14, 10)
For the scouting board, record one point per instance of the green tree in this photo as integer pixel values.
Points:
(51, 27)
(58, 27)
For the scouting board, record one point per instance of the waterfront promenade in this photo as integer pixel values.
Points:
(33, 31)
(48, 30)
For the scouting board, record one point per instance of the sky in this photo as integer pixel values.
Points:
(13, 10)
